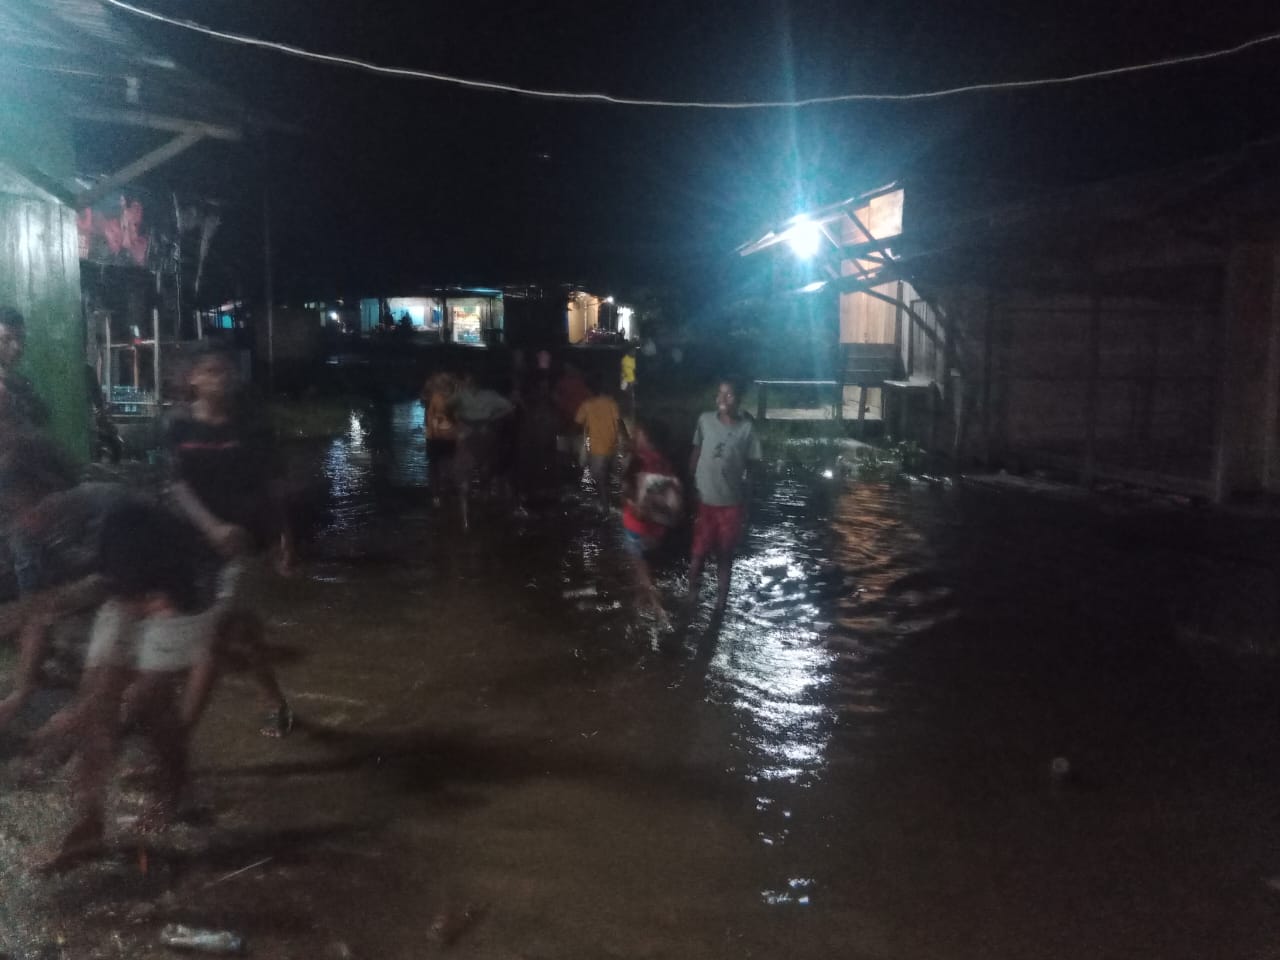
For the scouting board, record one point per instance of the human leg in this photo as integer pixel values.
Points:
(32, 642)
(647, 591)
(599, 469)
(38, 614)
(155, 698)
(92, 729)
(728, 535)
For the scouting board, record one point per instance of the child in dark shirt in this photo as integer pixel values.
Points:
(222, 482)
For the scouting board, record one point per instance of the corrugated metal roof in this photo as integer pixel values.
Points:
(79, 54)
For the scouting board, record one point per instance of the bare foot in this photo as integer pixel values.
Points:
(82, 844)
(279, 723)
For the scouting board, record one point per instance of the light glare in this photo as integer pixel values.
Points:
(804, 239)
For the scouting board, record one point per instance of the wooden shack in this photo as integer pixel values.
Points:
(1126, 330)
(69, 72)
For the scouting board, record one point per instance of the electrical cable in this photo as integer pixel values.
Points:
(565, 95)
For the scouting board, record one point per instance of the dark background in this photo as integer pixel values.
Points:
(394, 183)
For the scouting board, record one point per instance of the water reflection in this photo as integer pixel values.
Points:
(383, 448)
(818, 599)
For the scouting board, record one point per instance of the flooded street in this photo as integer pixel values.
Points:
(859, 761)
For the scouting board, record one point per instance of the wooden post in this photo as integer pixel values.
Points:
(862, 409)
(269, 290)
(1147, 414)
(1271, 408)
(1221, 465)
(988, 336)
(909, 323)
(898, 332)
(177, 270)
(108, 361)
(155, 355)
(762, 402)
(1094, 348)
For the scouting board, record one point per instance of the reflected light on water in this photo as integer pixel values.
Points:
(774, 670)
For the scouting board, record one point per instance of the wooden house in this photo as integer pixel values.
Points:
(1126, 330)
(71, 71)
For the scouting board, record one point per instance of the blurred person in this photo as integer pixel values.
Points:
(20, 405)
(222, 480)
(569, 394)
(442, 431)
(602, 426)
(49, 558)
(628, 380)
(725, 452)
(652, 502)
(484, 419)
(538, 424)
(153, 640)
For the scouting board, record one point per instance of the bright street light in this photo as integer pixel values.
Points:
(804, 238)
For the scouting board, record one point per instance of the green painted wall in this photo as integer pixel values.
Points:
(40, 269)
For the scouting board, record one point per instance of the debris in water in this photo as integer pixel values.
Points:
(181, 937)
(579, 592)
(235, 873)
(603, 606)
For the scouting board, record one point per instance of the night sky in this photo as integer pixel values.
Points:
(396, 183)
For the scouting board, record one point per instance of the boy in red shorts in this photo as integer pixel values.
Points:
(725, 449)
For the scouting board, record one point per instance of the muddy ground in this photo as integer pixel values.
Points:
(857, 762)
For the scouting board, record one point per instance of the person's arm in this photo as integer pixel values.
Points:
(229, 540)
(695, 454)
(751, 471)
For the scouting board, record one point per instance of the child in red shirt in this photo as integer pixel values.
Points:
(652, 503)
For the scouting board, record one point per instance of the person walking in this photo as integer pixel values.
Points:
(441, 430)
(726, 450)
(601, 422)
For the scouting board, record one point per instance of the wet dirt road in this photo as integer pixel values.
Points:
(855, 763)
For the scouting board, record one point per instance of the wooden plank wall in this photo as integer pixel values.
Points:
(866, 319)
(40, 276)
(925, 357)
(1156, 381)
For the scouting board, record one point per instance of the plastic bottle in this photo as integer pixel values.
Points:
(182, 937)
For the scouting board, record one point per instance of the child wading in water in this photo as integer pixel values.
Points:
(725, 449)
(601, 421)
(651, 505)
(442, 431)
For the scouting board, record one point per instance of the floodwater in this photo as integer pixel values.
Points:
(857, 762)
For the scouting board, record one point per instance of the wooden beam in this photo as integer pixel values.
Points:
(1094, 347)
(988, 339)
(144, 164)
(155, 121)
(897, 302)
(1271, 407)
(37, 177)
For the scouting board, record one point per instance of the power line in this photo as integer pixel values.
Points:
(567, 95)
